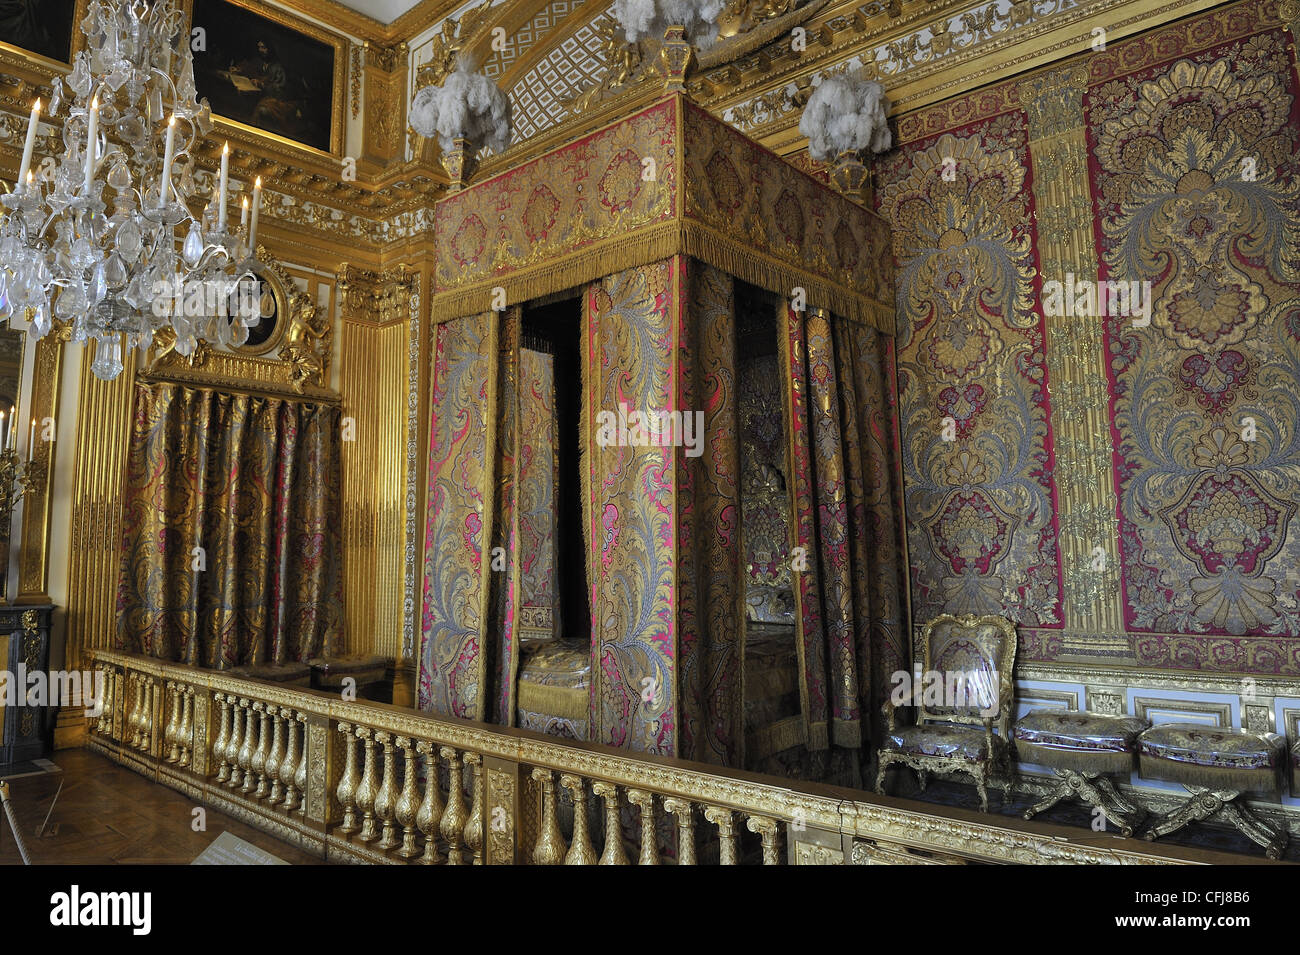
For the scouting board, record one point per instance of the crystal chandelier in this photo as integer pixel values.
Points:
(91, 239)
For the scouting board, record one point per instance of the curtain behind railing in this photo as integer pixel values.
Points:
(232, 541)
(848, 519)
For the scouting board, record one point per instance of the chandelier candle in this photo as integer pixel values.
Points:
(225, 179)
(257, 207)
(169, 152)
(92, 144)
(24, 170)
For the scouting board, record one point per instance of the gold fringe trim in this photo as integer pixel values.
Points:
(732, 255)
(777, 737)
(559, 701)
(1215, 777)
(1079, 760)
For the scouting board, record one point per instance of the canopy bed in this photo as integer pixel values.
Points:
(663, 439)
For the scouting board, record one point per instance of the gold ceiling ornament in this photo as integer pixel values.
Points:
(447, 45)
(743, 27)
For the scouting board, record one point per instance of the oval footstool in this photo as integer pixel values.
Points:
(1216, 765)
(1082, 749)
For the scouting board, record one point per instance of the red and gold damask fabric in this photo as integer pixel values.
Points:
(662, 523)
(671, 179)
(981, 501)
(1193, 134)
(1192, 189)
(453, 672)
(232, 548)
(847, 523)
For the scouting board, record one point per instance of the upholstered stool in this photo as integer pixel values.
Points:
(553, 690)
(288, 673)
(1216, 766)
(328, 673)
(1083, 749)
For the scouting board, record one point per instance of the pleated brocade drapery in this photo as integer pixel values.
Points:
(847, 518)
(232, 541)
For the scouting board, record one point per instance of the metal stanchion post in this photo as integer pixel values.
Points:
(13, 823)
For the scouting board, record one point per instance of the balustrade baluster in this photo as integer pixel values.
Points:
(366, 788)
(186, 735)
(452, 826)
(649, 831)
(263, 749)
(236, 744)
(300, 777)
(385, 798)
(289, 765)
(347, 791)
(474, 825)
(581, 852)
(770, 832)
(223, 735)
(249, 746)
(275, 757)
(550, 848)
(726, 833)
(148, 732)
(105, 721)
(613, 853)
(685, 813)
(134, 723)
(406, 805)
(172, 730)
(429, 816)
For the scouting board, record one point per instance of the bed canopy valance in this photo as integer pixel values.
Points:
(671, 179)
(662, 222)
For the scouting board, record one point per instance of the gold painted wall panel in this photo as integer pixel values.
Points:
(103, 433)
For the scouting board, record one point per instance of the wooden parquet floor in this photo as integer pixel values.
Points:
(107, 815)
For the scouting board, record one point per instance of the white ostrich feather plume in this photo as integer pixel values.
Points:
(846, 114)
(467, 105)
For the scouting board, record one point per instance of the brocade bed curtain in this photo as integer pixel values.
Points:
(232, 541)
(847, 518)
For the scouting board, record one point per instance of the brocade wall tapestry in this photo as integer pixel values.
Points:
(1120, 477)
(977, 446)
(1197, 193)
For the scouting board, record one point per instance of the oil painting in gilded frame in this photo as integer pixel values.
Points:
(43, 27)
(270, 72)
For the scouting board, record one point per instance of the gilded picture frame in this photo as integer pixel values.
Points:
(262, 72)
(47, 29)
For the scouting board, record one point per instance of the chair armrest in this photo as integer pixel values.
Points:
(988, 734)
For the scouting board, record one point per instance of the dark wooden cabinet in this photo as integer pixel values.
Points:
(25, 731)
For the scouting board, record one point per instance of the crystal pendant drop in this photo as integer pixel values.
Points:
(40, 321)
(98, 285)
(108, 358)
(193, 248)
(128, 241)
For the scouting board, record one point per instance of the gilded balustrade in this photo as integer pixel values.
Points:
(371, 782)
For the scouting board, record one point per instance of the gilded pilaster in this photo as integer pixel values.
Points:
(375, 365)
(95, 547)
(385, 106)
(1075, 351)
(34, 552)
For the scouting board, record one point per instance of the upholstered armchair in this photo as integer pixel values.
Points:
(963, 703)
